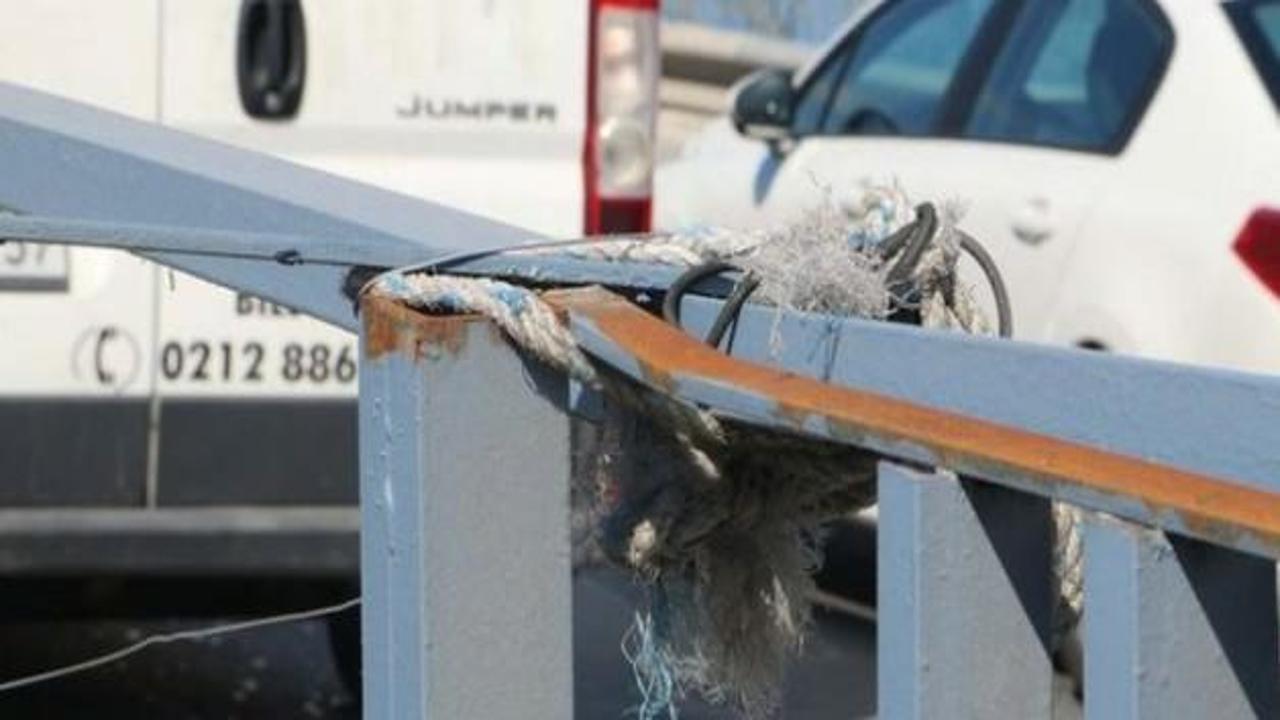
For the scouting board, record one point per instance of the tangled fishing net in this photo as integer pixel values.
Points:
(722, 523)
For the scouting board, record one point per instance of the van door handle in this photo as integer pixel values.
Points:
(1033, 223)
(271, 58)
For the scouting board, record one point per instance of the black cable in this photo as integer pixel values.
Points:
(1004, 310)
(923, 228)
(687, 279)
(732, 308)
(892, 244)
(911, 240)
(907, 244)
(728, 312)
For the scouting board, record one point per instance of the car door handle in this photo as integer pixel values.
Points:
(271, 58)
(1033, 223)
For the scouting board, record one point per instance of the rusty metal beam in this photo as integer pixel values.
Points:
(1217, 509)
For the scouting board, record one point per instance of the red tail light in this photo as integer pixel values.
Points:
(622, 105)
(1258, 245)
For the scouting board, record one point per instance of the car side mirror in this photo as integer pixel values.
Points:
(762, 105)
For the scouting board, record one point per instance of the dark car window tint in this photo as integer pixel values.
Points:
(1074, 74)
(902, 65)
(1268, 17)
(807, 115)
(1258, 24)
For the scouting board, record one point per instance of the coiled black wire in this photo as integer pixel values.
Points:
(909, 244)
(1004, 309)
(728, 312)
(905, 247)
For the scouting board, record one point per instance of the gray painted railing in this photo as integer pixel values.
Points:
(464, 450)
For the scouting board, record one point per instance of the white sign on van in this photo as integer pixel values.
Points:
(214, 341)
(123, 326)
(33, 266)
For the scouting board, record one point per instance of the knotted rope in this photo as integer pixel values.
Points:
(721, 521)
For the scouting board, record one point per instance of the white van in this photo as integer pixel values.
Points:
(151, 404)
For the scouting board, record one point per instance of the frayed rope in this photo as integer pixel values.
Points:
(720, 522)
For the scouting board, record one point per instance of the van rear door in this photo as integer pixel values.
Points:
(478, 105)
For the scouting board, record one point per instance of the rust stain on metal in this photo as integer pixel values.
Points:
(657, 377)
(391, 327)
(1208, 506)
(792, 415)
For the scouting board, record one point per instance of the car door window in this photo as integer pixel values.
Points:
(1258, 24)
(900, 66)
(816, 93)
(1074, 73)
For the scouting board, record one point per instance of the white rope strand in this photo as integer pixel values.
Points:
(523, 316)
(166, 638)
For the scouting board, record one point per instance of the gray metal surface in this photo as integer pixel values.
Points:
(295, 252)
(77, 165)
(1175, 628)
(1060, 395)
(964, 598)
(67, 160)
(1213, 421)
(464, 452)
(465, 457)
(278, 542)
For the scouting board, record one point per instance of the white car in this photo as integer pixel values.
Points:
(1119, 158)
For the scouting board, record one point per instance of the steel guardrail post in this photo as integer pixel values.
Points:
(963, 599)
(465, 559)
(1176, 627)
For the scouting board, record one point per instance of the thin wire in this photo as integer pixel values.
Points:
(86, 238)
(90, 234)
(435, 264)
(165, 638)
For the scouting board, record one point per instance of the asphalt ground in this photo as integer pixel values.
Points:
(287, 671)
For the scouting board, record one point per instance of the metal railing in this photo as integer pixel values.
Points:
(1183, 529)
(464, 449)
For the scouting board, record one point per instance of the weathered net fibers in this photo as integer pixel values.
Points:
(721, 522)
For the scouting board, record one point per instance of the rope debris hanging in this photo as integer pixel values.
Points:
(721, 522)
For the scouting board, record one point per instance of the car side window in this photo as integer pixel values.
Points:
(806, 118)
(1074, 74)
(901, 65)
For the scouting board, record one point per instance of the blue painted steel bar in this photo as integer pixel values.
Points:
(1219, 509)
(964, 598)
(1212, 421)
(271, 247)
(1176, 628)
(62, 159)
(294, 251)
(65, 160)
(1204, 440)
(464, 455)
